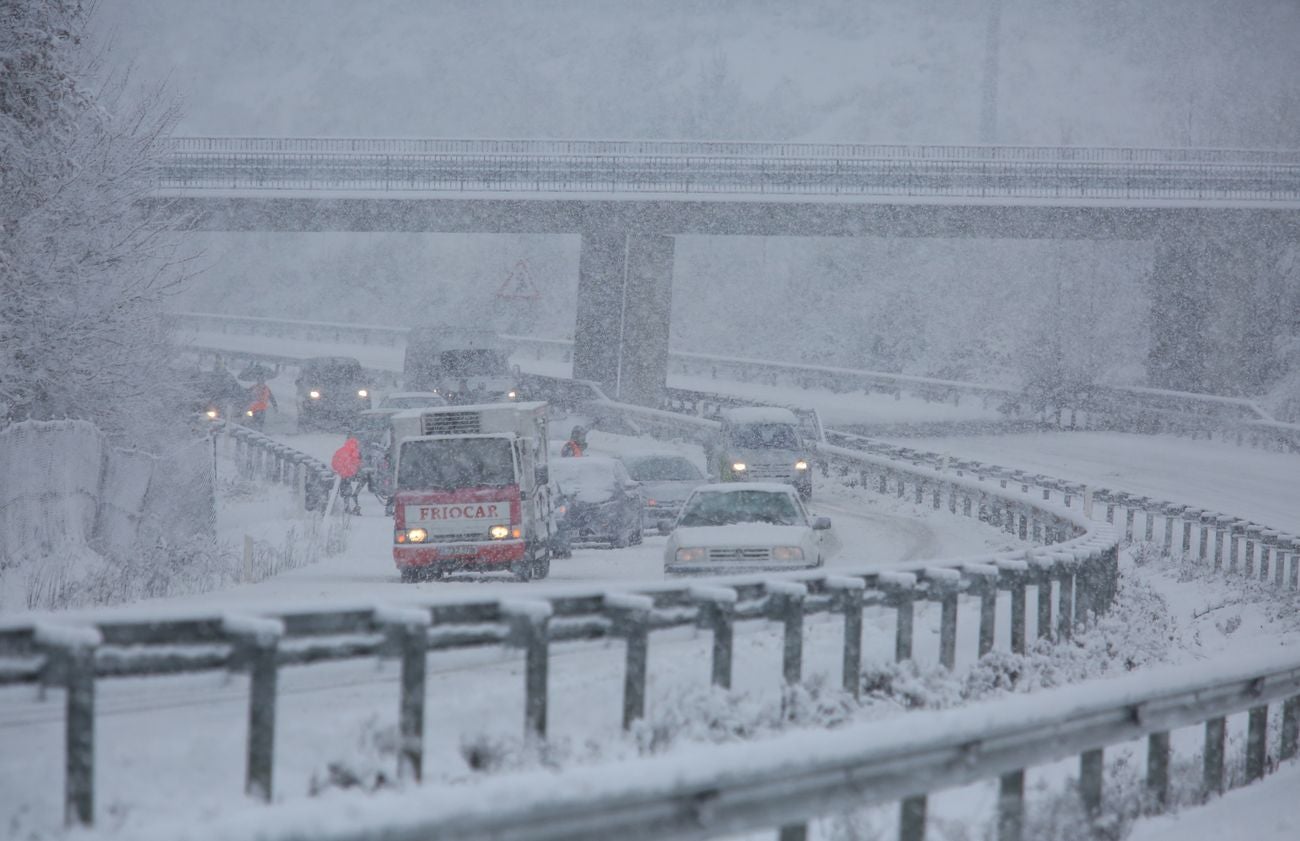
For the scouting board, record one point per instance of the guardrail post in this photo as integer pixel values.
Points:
(1290, 728)
(1014, 577)
(1236, 529)
(1091, 765)
(1256, 742)
(1158, 770)
(1043, 586)
(529, 626)
(985, 581)
(945, 584)
(257, 642)
(1295, 563)
(630, 615)
(1206, 519)
(900, 590)
(1065, 600)
(1149, 515)
(1011, 806)
(1129, 514)
(911, 818)
(1189, 515)
(1270, 547)
(408, 633)
(849, 593)
(70, 659)
(1169, 512)
(1212, 776)
(717, 613)
(785, 605)
(1251, 535)
(1221, 525)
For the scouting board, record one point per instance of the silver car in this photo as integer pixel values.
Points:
(666, 480)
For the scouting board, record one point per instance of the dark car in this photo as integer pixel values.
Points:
(333, 391)
(666, 481)
(214, 395)
(597, 501)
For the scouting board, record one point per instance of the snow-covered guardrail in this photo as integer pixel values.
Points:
(1074, 577)
(1129, 408)
(259, 456)
(791, 779)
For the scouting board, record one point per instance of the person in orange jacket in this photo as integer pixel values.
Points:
(347, 464)
(577, 443)
(263, 399)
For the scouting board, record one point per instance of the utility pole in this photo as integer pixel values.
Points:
(992, 45)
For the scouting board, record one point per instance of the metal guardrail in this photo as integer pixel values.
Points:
(1128, 408)
(794, 778)
(259, 456)
(686, 168)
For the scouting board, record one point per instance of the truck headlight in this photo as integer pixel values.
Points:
(801, 465)
(412, 535)
(314, 394)
(361, 392)
(499, 532)
(787, 553)
(512, 394)
(739, 466)
(686, 556)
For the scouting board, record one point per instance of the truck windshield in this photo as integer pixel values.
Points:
(456, 463)
(473, 363)
(764, 436)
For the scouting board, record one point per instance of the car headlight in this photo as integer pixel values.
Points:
(739, 466)
(787, 553)
(411, 536)
(512, 394)
(249, 413)
(361, 392)
(499, 532)
(801, 465)
(686, 556)
(314, 394)
(211, 413)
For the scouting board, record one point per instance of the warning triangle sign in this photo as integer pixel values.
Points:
(519, 285)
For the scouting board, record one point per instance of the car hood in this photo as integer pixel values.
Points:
(740, 535)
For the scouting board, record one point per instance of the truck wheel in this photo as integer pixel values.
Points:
(523, 570)
(542, 565)
(410, 575)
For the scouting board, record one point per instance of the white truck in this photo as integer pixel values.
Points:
(462, 365)
(471, 491)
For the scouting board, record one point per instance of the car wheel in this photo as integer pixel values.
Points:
(620, 540)
(542, 565)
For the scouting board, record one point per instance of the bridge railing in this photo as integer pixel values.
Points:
(789, 780)
(684, 168)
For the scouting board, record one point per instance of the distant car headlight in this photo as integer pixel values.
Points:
(314, 394)
(212, 414)
(787, 553)
(361, 392)
(499, 532)
(650, 503)
(686, 556)
(801, 465)
(739, 466)
(512, 394)
(249, 413)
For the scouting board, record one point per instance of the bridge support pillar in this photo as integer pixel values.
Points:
(625, 285)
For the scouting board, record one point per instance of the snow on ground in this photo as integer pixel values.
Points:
(1242, 481)
(1265, 811)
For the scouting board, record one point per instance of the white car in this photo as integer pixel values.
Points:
(755, 526)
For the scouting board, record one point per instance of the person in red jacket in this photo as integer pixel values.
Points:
(347, 463)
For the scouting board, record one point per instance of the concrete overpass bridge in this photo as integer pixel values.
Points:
(629, 199)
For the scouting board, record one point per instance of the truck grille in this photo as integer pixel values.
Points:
(768, 471)
(451, 423)
(460, 537)
(757, 554)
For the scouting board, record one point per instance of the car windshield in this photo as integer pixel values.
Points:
(456, 463)
(663, 469)
(587, 479)
(473, 363)
(726, 508)
(336, 372)
(763, 436)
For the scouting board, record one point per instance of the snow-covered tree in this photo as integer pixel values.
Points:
(84, 262)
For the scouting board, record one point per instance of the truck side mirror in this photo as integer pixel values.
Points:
(541, 475)
(821, 524)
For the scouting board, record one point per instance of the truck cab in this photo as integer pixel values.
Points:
(763, 444)
(471, 491)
